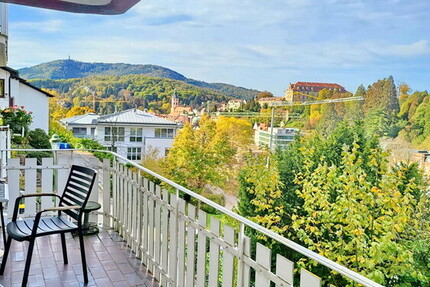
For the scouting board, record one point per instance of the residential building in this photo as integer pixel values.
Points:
(301, 92)
(17, 91)
(235, 104)
(131, 133)
(82, 126)
(267, 101)
(281, 137)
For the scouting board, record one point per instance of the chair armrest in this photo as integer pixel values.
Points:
(16, 207)
(38, 194)
(61, 208)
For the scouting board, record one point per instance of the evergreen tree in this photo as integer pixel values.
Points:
(382, 95)
(391, 100)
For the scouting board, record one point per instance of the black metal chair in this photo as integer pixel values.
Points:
(74, 198)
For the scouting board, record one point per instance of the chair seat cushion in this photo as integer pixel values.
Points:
(20, 230)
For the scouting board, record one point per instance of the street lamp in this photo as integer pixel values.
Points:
(55, 142)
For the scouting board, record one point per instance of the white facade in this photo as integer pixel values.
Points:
(234, 105)
(135, 141)
(281, 137)
(131, 133)
(16, 91)
(3, 34)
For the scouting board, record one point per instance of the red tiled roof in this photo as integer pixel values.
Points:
(317, 85)
(182, 109)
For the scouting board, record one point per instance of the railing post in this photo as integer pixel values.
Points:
(95, 164)
(173, 236)
(139, 216)
(13, 183)
(106, 191)
(240, 249)
(115, 195)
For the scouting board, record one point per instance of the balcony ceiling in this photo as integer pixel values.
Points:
(102, 7)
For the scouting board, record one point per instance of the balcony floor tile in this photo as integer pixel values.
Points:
(110, 263)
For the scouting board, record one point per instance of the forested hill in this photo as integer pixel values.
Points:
(128, 91)
(70, 69)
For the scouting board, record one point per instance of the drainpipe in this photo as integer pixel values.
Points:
(8, 91)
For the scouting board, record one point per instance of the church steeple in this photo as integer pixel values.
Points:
(175, 101)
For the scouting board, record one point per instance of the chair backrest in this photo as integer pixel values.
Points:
(78, 188)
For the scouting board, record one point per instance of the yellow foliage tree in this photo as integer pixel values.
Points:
(76, 111)
(56, 111)
(239, 131)
(199, 156)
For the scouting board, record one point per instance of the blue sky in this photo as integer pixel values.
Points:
(263, 45)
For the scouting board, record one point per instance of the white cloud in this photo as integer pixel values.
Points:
(418, 48)
(47, 26)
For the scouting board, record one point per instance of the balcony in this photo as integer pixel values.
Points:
(177, 242)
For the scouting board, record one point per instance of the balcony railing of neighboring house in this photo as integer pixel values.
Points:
(84, 136)
(179, 243)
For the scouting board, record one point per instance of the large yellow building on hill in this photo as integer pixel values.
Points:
(301, 92)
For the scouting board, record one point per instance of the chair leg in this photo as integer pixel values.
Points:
(63, 244)
(5, 255)
(84, 260)
(28, 262)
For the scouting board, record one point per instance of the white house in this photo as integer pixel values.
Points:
(82, 126)
(17, 91)
(131, 133)
(235, 104)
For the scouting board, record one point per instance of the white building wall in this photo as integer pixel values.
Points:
(4, 102)
(34, 101)
(161, 144)
(88, 134)
(149, 142)
(31, 99)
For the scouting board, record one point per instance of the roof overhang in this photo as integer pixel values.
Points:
(102, 7)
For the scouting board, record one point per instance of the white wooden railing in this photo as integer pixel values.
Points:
(180, 244)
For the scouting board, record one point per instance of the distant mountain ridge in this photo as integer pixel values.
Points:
(70, 69)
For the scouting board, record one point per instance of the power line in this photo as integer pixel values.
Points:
(339, 100)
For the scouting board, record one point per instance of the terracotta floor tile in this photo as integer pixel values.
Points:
(110, 263)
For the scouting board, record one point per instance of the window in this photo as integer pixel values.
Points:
(2, 94)
(164, 133)
(135, 135)
(134, 153)
(93, 131)
(79, 132)
(114, 134)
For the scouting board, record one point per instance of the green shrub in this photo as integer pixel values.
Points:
(38, 139)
